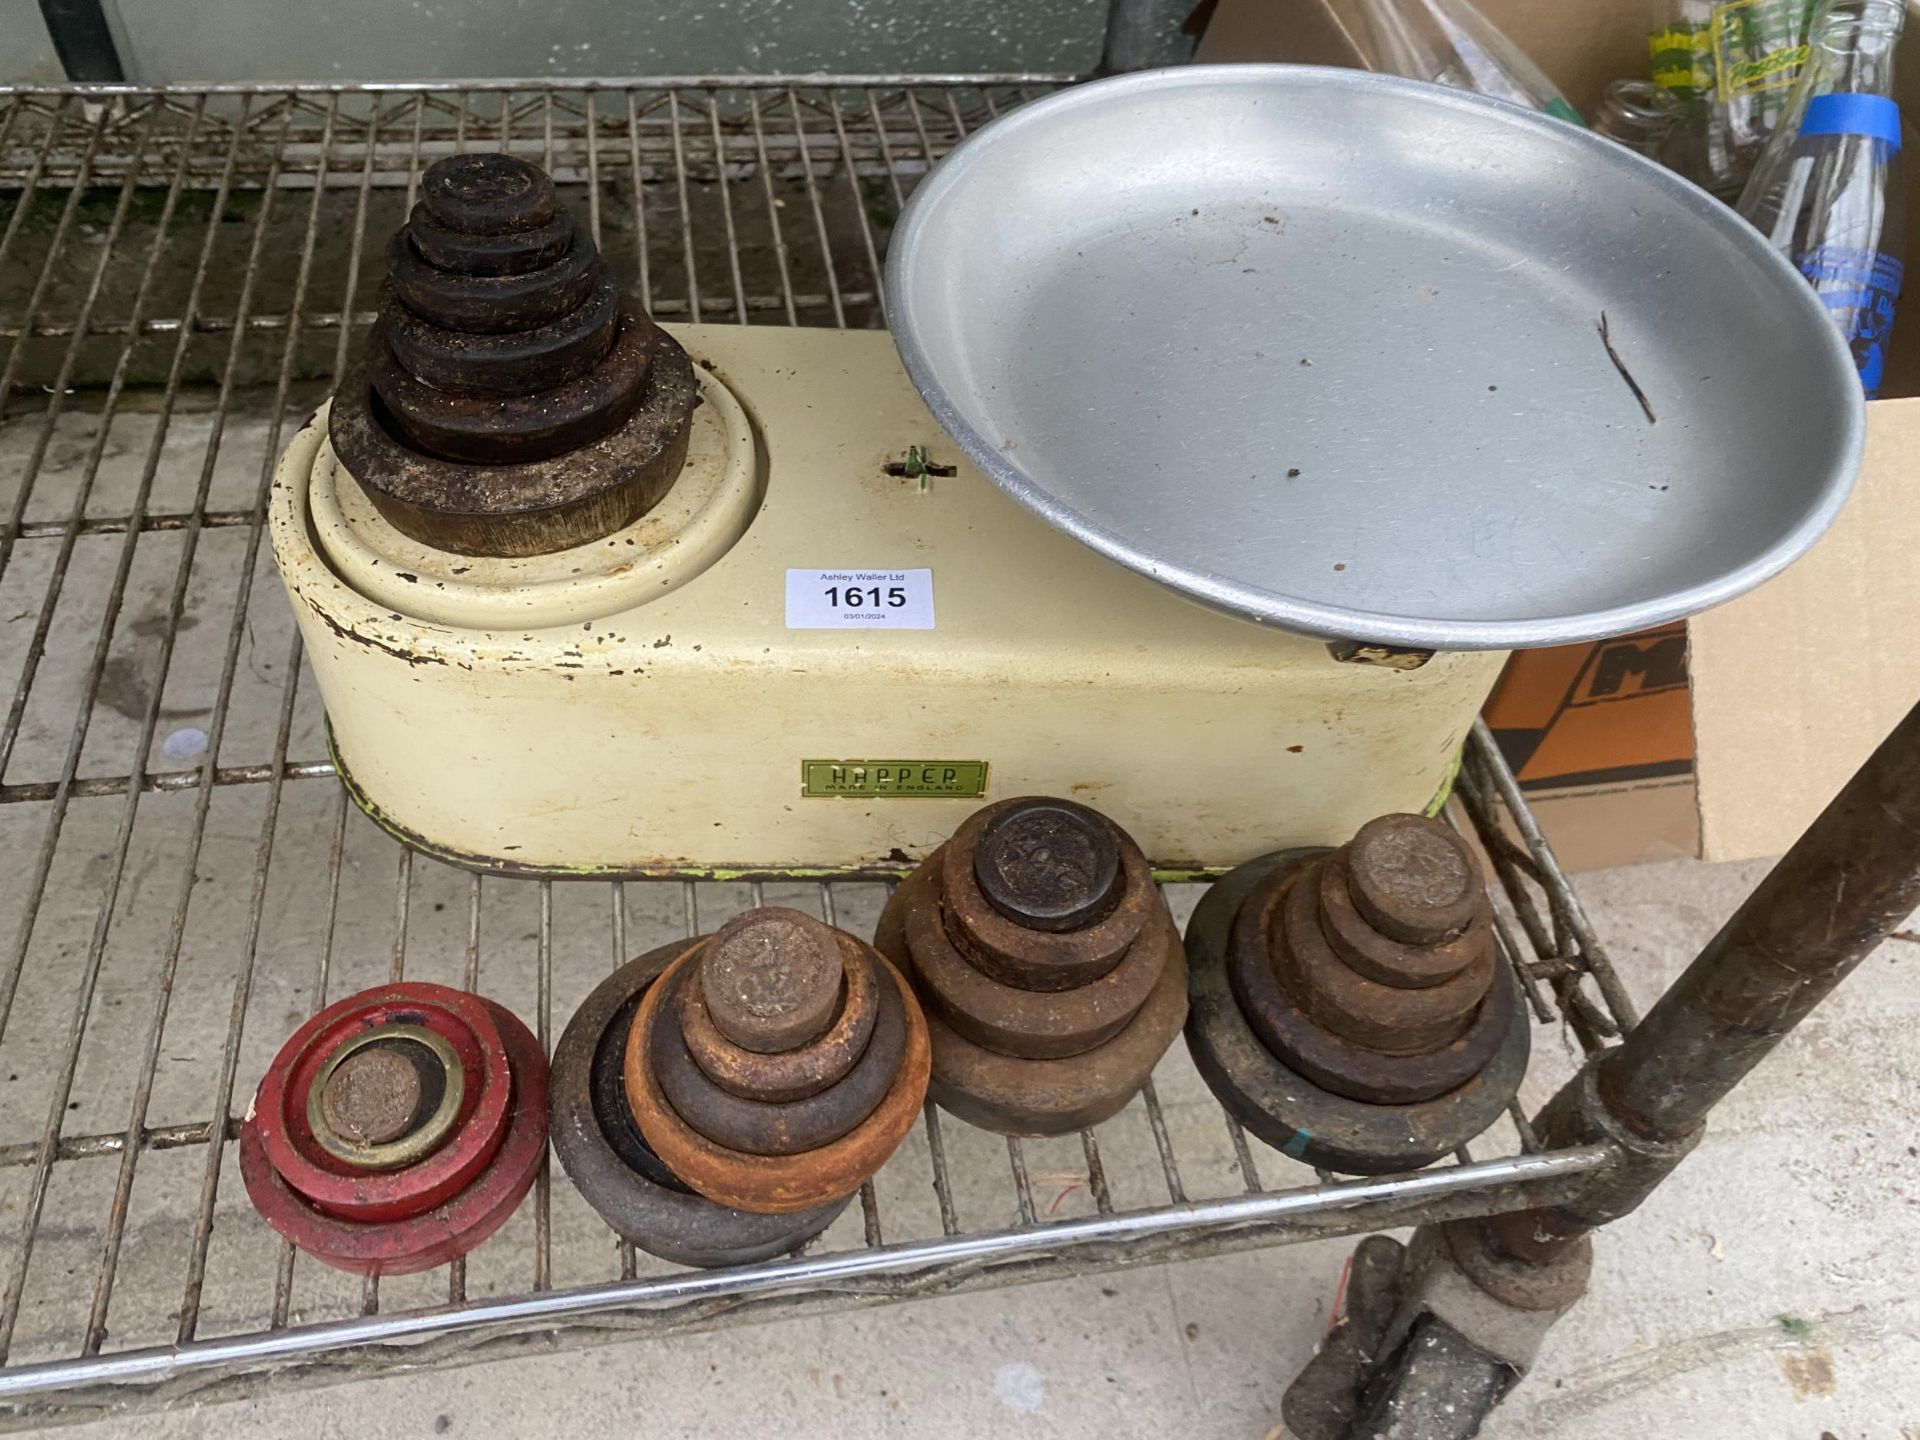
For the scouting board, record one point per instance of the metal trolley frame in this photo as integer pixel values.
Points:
(182, 273)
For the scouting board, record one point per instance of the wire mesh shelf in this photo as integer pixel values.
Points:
(182, 274)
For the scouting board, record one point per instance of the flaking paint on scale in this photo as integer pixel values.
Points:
(354, 637)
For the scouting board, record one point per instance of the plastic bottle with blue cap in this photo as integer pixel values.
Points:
(1828, 191)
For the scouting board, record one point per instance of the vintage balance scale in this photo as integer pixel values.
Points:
(587, 597)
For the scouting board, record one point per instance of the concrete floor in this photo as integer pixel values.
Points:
(1767, 1291)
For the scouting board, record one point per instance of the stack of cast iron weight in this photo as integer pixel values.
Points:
(1348, 1007)
(397, 1129)
(1051, 971)
(509, 400)
(720, 1100)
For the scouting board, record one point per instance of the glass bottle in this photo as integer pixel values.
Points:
(1827, 193)
(1639, 114)
(1448, 42)
(1732, 65)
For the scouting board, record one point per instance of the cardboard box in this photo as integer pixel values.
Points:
(1601, 737)
(1786, 690)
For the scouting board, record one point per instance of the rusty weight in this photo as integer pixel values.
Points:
(793, 1074)
(1413, 879)
(1335, 1062)
(493, 304)
(496, 430)
(760, 1127)
(387, 1098)
(365, 1189)
(608, 1160)
(1288, 1110)
(533, 507)
(1417, 1017)
(375, 1096)
(1015, 1096)
(516, 363)
(1052, 866)
(503, 252)
(509, 402)
(1030, 1024)
(1442, 1011)
(773, 1183)
(1390, 1018)
(1003, 947)
(485, 192)
(772, 979)
(1038, 1031)
(1374, 955)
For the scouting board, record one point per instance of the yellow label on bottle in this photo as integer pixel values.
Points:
(1758, 45)
(1682, 58)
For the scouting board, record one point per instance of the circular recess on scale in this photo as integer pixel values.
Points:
(706, 511)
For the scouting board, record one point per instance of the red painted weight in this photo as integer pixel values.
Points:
(447, 1230)
(368, 1196)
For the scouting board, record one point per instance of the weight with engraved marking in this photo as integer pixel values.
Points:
(609, 1161)
(776, 1064)
(509, 401)
(397, 1129)
(1348, 1006)
(1051, 972)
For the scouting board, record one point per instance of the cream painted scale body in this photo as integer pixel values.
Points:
(639, 705)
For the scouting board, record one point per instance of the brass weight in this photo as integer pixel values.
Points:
(386, 1097)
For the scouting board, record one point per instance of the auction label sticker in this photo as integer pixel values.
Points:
(859, 599)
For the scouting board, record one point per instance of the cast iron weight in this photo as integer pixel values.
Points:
(609, 1161)
(773, 983)
(397, 1129)
(1347, 1005)
(693, 1090)
(509, 401)
(1049, 866)
(1050, 969)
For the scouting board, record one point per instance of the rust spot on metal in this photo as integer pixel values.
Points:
(1387, 657)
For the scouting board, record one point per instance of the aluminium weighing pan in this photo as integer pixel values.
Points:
(1323, 349)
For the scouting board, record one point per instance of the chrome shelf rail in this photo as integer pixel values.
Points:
(182, 274)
